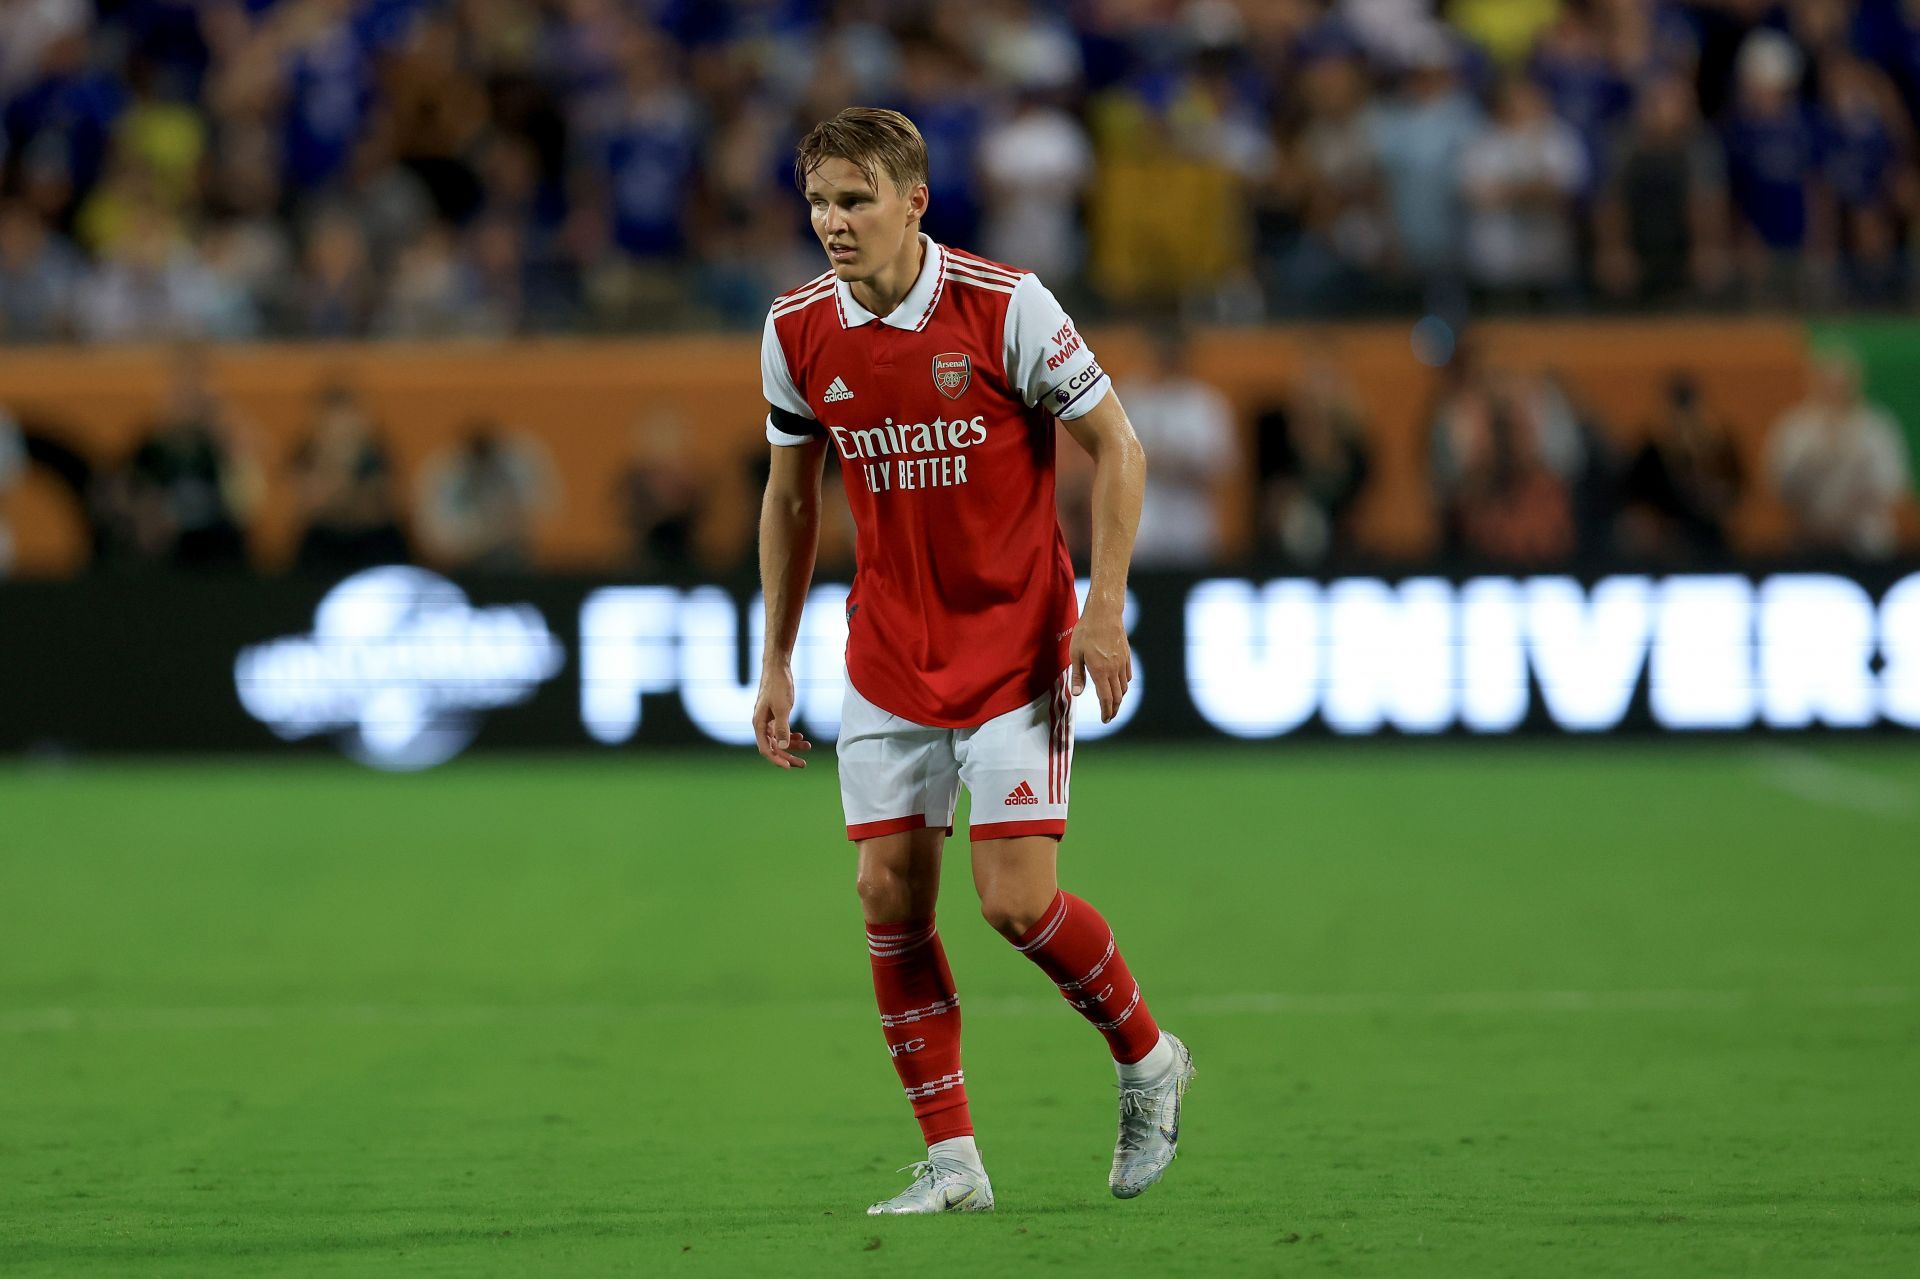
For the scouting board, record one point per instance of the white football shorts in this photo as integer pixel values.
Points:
(896, 775)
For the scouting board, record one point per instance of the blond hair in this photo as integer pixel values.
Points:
(871, 139)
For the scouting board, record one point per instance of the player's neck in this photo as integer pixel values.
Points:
(883, 292)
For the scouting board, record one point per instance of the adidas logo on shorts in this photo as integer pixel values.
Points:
(1022, 794)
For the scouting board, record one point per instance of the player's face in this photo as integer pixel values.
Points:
(863, 226)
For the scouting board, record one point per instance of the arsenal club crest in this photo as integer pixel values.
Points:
(952, 372)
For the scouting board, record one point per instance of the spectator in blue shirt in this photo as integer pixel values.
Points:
(1773, 172)
(646, 149)
(64, 119)
(1865, 147)
(329, 93)
(1587, 90)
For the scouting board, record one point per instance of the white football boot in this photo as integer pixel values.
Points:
(940, 1186)
(1150, 1127)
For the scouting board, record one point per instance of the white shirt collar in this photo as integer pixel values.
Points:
(915, 308)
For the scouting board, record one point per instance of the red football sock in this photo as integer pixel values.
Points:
(920, 1015)
(1073, 945)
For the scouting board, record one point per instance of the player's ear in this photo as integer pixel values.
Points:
(917, 200)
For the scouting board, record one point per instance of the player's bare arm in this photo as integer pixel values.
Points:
(1100, 651)
(789, 540)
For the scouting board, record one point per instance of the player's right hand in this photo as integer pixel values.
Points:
(772, 710)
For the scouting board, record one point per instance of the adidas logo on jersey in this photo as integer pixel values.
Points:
(1022, 794)
(837, 392)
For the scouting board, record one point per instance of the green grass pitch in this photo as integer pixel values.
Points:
(1464, 1009)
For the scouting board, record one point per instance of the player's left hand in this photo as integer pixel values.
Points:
(1099, 651)
(773, 733)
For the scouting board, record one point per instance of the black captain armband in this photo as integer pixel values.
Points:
(793, 423)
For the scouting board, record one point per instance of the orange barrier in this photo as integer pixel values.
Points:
(589, 399)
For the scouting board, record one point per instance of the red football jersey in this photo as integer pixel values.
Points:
(943, 415)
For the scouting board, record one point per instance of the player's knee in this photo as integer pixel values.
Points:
(1010, 915)
(886, 896)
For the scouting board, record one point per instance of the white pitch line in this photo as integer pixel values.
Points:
(26, 1021)
(1805, 775)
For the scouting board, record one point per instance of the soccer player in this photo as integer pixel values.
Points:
(938, 376)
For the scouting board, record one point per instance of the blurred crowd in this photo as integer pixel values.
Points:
(189, 492)
(1518, 472)
(415, 168)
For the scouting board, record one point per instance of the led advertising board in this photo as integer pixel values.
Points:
(401, 668)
